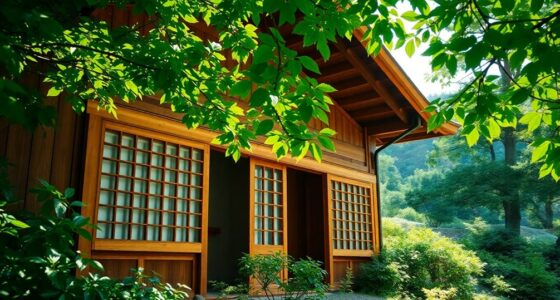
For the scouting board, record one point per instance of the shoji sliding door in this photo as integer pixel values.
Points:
(146, 189)
(268, 225)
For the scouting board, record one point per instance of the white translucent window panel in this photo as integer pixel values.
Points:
(156, 181)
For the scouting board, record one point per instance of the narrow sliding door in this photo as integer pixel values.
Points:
(268, 225)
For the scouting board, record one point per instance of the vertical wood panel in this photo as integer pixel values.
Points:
(78, 151)
(118, 268)
(17, 154)
(120, 17)
(171, 271)
(63, 148)
(89, 188)
(4, 131)
(328, 229)
(41, 156)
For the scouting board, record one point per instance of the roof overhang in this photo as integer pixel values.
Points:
(373, 90)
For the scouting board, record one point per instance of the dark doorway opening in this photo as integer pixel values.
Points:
(306, 226)
(228, 221)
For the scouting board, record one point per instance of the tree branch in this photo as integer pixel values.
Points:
(107, 53)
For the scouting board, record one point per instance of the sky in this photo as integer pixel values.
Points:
(417, 68)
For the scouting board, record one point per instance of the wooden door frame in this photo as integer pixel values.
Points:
(267, 249)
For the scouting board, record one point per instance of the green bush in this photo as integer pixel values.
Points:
(525, 274)
(38, 257)
(417, 261)
(346, 284)
(411, 214)
(521, 267)
(306, 280)
(380, 276)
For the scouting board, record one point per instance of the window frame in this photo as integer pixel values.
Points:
(256, 249)
(330, 211)
(96, 155)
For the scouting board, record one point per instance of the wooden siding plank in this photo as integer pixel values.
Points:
(18, 149)
(4, 131)
(41, 155)
(63, 148)
(332, 163)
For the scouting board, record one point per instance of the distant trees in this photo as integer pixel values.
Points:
(461, 182)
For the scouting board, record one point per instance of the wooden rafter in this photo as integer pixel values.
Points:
(393, 125)
(351, 56)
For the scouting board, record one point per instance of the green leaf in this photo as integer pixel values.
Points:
(539, 151)
(409, 16)
(327, 132)
(532, 119)
(435, 122)
(59, 208)
(326, 88)
(69, 193)
(259, 97)
(271, 140)
(494, 128)
(321, 115)
(324, 49)
(451, 65)
(132, 86)
(264, 127)
(409, 48)
(474, 56)
(326, 142)
(263, 54)
(97, 265)
(309, 64)
(536, 5)
(85, 234)
(472, 137)
(53, 92)
(316, 152)
(19, 224)
(241, 88)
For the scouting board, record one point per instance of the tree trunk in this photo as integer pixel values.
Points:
(492, 151)
(509, 146)
(548, 213)
(512, 207)
(512, 215)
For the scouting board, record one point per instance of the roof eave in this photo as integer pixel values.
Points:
(404, 84)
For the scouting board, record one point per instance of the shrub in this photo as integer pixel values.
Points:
(420, 260)
(306, 280)
(38, 257)
(411, 214)
(440, 294)
(380, 276)
(514, 267)
(239, 291)
(347, 282)
(526, 274)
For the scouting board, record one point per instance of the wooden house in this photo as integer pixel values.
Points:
(167, 200)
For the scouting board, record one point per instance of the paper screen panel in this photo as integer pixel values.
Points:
(150, 190)
(268, 205)
(351, 216)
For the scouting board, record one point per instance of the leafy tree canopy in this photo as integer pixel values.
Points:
(509, 50)
(87, 59)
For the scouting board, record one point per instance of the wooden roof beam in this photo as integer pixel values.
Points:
(358, 104)
(353, 58)
(335, 73)
(393, 125)
(372, 113)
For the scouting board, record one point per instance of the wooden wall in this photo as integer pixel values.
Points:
(349, 140)
(51, 154)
